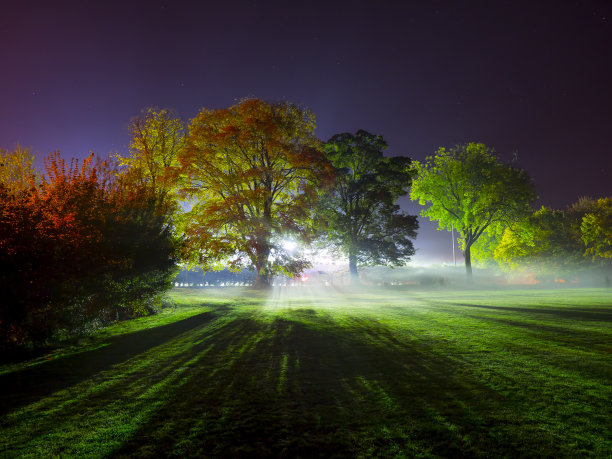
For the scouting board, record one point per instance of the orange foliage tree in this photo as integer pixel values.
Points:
(77, 250)
(252, 175)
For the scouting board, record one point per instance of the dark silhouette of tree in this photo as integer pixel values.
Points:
(363, 219)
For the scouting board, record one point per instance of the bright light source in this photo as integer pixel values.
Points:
(324, 259)
(305, 278)
(289, 245)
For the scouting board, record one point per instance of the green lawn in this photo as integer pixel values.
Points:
(322, 372)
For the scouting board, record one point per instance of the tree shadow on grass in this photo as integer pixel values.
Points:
(587, 314)
(305, 385)
(33, 383)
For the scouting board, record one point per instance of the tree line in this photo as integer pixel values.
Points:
(86, 243)
(89, 242)
(553, 240)
(490, 204)
(254, 175)
(79, 248)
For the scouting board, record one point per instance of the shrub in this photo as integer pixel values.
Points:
(79, 250)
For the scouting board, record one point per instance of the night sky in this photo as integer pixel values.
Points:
(528, 77)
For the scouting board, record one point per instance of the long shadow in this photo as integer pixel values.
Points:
(590, 314)
(569, 341)
(311, 387)
(564, 334)
(31, 384)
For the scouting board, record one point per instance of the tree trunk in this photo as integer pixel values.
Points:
(262, 281)
(468, 260)
(354, 275)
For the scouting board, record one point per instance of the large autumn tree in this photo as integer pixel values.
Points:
(364, 220)
(253, 171)
(468, 188)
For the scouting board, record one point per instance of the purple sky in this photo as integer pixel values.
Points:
(527, 76)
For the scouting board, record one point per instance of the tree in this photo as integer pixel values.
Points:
(468, 188)
(158, 135)
(596, 228)
(79, 250)
(17, 172)
(548, 238)
(253, 171)
(482, 251)
(363, 218)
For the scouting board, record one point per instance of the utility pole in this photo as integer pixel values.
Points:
(453, 241)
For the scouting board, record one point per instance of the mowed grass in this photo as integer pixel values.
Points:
(303, 372)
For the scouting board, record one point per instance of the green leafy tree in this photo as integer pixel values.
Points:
(364, 221)
(596, 229)
(468, 188)
(482, 251)
(252, 173)
(548, 239)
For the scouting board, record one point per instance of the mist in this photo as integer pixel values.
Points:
(334, 278)
(450, 276)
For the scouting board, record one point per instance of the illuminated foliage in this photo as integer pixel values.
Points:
(596, 230)
(548, 239)
(77, 251)
(253, 172)
(482, 251)
(363, 218)
(17, 171)
(157, 138)
(468, 188)
(551, 240)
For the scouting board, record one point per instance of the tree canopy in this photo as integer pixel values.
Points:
(596, 227)
(467, 187)
(552, 240)
(252, 174)
(157, 137)
(363, 219)
(548, 237)
(17, 172)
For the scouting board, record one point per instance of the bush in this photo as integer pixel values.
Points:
(79, 250)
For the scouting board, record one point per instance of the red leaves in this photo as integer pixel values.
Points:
(70, 247)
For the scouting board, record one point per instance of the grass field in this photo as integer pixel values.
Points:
(320, 372)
